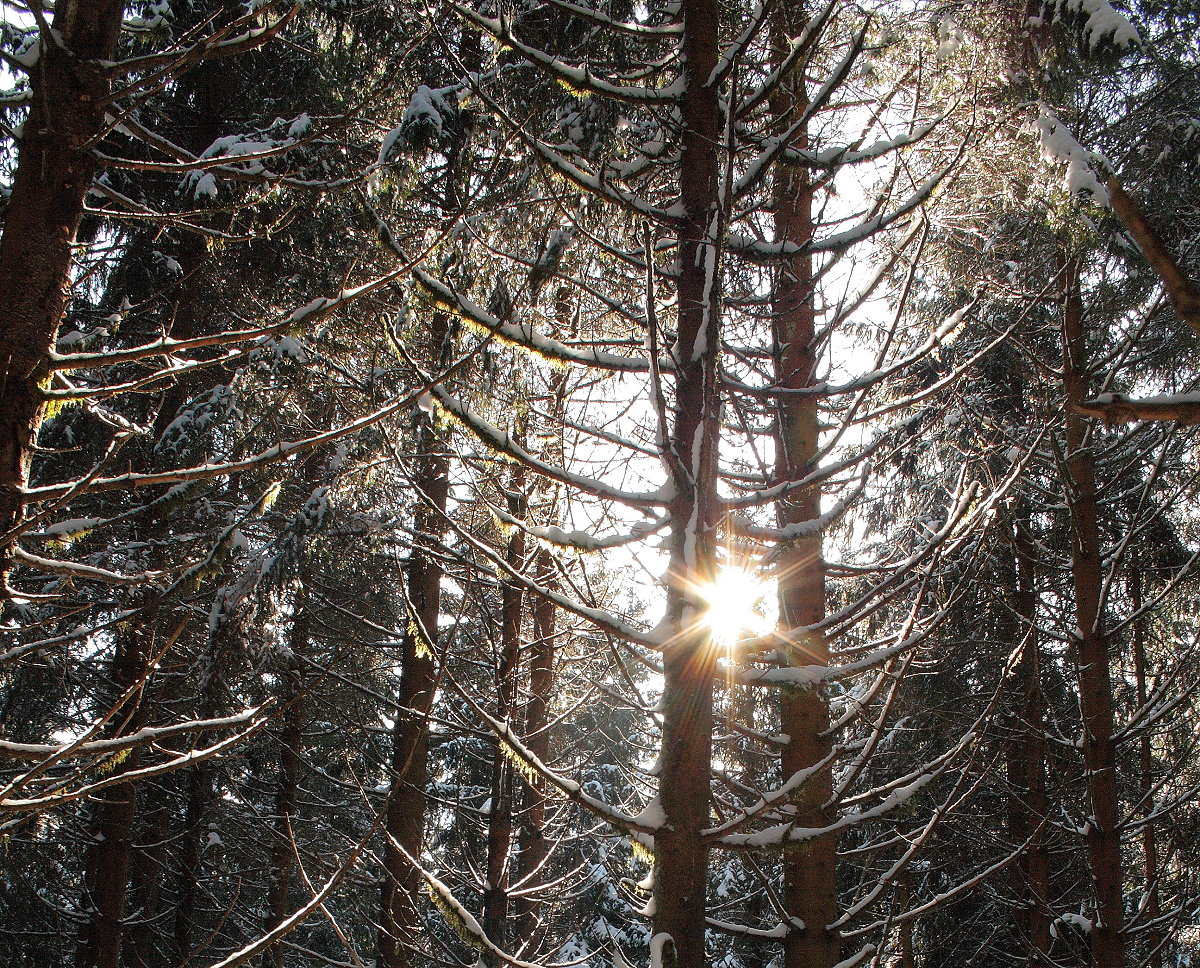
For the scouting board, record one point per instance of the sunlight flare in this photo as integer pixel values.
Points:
(739, 603)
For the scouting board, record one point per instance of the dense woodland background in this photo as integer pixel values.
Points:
(388, 390)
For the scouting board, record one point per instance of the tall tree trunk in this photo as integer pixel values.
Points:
(1029, 758)
(201, 802)
(810, 869)
(904, 899)
(405, 821)
(142, 947)
(1092, 660)
(1153, 906)
(106, 867)
(283, 845)
(689, 658)
(55, 167)
(197, 809)
(534, 845)
(500, 817)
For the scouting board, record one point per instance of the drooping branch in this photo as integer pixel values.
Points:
(1182, 292)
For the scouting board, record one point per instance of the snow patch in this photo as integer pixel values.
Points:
(1058, 146)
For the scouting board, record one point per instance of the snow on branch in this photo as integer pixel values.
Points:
(1104, 22)
(583, 541)
(781, 834)
(504, 443)
(811, 676)
(1058, 146)
(641, 828)
(177, 762)
(579, 79)
(1113, 408)
(143, 736)
(851, 155)
(524, 335)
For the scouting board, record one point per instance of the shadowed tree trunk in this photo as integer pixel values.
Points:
(500, 817)
(1153, 906)
(197, 810)
(55, 167)
(290, 748)
(689, 658)
(405, 821)
(534, 846)
(142, 948)
(1091, 646)
(1028, 774)
(106, 867)
(809, 870)
(200, 806)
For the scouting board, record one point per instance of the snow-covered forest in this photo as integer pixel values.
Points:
(616, 483)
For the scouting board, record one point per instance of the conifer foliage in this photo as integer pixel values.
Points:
(669, 484)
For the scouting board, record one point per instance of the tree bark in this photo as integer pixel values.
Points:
(810, 893)
(198, 807)
(1029, 758)
(55, 167)
(106, 868)
(534, 846)
(405, 820)
(500, 817)
(689, 657)
(142, 947)
(1091, 645)
(1181, 290)
(290, 748)
(1150, 864)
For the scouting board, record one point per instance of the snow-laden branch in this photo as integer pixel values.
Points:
(782, 834)
(177, 762)
(580, 79)
(642, 827)
(813, 676)
(584, 541)
(78, 569)
(843, 155)
(757, 250)
(504, 443)
(1113, 408)
(280, 451)
(525, 335)
(142, 737)
(309, 313)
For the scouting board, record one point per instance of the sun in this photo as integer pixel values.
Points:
(739, 603)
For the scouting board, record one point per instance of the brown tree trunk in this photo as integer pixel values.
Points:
(1092, 660)
(55, 167)
(904, 899)
(106, 868)
(1153, 908)
(405, 821)
(149, 856)
(500, 817)
(1028, 772)
(809, 870)
(200, 807)
(534, 846)
(283, 845)
(197, 809)
(689, 658)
